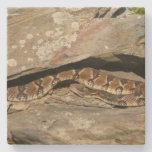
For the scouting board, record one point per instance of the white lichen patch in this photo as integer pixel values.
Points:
(12, 62)
(68, 45)
(72, 38)
(45, 51)
(106, 47)
(34, 47)
(29, 36)
(37, 34)
(22, 46)
(30, 59)
(49, 33)
(23, 68)
(60, 17)
(25, 52)
(22, 42)
(14, 46)
(75, 26)
(80, 123)
(139, 17)
(58, 32)
(40, 41)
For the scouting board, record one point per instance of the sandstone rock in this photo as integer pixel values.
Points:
(62, 124)
(41, 39)
(57, 39)
(76, 120)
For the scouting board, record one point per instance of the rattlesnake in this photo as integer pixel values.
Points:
(110, 89)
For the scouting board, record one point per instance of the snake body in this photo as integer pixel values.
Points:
(110, 89)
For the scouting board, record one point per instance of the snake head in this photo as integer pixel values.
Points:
(90, 83)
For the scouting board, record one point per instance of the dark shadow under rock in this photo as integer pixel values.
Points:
(126, 63)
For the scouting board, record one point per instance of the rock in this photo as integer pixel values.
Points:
(58, 39)
(118, 12)
(62, 124)
(47, 38)
(76, 120)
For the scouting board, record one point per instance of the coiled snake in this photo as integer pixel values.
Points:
(110, 89)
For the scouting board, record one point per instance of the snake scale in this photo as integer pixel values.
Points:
(110, 89)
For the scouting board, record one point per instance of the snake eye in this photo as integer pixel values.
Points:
(119, 90)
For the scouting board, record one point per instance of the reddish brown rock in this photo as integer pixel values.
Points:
(40, 39)
(62, 124)
(47, 38)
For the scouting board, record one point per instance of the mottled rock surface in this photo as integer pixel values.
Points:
(67, 118)
(39, 39)
(62, 124)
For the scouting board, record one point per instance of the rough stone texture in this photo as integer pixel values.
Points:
(76, 120)
(62, 124)
(40, 38)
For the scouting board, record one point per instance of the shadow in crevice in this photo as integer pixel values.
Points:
(127, 63)
(98, 15)
(119, 12)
